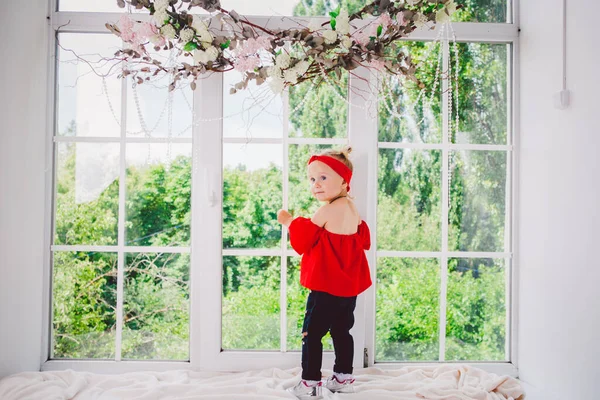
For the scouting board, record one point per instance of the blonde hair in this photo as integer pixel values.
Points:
(341, 155)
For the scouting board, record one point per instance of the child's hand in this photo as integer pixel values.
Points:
(284, 217)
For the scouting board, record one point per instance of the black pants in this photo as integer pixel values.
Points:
(324, 313)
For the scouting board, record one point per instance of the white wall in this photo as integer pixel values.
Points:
(23, 29)
(559, 193)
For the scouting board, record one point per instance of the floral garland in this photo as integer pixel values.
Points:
(282, 57)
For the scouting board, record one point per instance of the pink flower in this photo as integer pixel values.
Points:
(147, 30)
(253, 46)
(400, 18)
(125, 25)
(385, 20)
(246, 63)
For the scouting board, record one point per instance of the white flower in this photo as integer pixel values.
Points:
(451, 7)
(421, 20)
(346, 42)
(283, 60)
(330, 36)
(161, 4)
(277, 85)
(441, 16)
(159, 17)
(412, 2)
(290, 76)
(206, 37)
(168, 31)
(302, 67)
(204, 56)
(186, 35)
(157, 40)
(213, 53)
(200, 57)
(342, 23)
(202, 30)
(274, 71)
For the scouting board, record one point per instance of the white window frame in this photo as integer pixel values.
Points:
(205, 284)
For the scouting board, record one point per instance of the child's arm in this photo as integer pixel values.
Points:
(284, 217)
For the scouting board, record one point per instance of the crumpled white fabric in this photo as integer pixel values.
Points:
(444, 382)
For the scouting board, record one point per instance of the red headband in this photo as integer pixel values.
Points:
(339, 167)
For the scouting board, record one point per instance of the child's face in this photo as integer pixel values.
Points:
(325, 183)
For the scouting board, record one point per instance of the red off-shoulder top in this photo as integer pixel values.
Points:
(331, 262)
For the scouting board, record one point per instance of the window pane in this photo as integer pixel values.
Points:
(84, 298)
(87, 194)
(483, 11)
(409, 205)
(252, 195)
(87, 106)
(477, 201)
(153, 111)
(254, 112)
(156, 307)
(407, 316)
(482, 92)
(406, 114)
(158, 194)
(476, 312)
(93, 6)
(323, 7)
(262, 7)
(319, 111)
(297, 296)
(251, 303)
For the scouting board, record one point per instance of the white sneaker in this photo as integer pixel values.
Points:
(303, 391)
(334, 385)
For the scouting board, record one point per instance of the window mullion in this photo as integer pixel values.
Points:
(51, 191)
(207, 243)
(508, 211)
(362, 135)
(445, 197)
(284, 231)
(121, 223)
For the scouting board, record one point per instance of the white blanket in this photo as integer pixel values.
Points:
(445, 382)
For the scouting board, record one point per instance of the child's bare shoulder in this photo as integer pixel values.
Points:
(339, 212)
(322, 215)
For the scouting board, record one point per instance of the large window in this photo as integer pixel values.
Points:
(165, 244)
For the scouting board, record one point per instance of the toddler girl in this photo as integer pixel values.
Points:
(335, 269)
